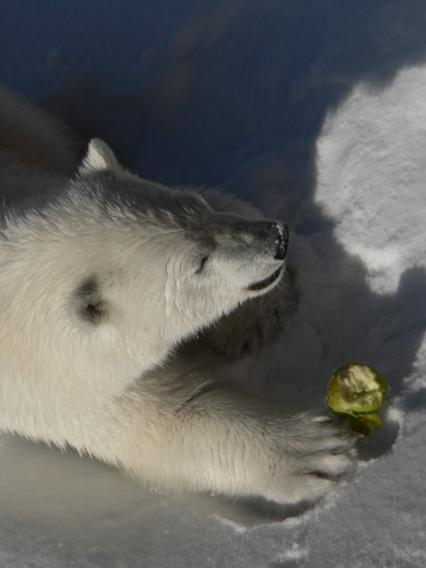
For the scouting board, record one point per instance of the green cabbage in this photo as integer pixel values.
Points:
(358, 391)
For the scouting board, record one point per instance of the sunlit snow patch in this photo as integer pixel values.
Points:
(371, 176)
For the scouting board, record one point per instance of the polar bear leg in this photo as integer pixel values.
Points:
(208, 437)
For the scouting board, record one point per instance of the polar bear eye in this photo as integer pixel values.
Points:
(202, 264)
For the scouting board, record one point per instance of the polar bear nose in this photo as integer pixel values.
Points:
(268, 238)
(281, 236)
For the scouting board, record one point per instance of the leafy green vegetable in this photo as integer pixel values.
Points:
(358, 391)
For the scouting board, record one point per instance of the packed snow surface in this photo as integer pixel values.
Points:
(317, 113)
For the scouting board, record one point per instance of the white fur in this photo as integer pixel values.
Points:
(113, 390)
(99, 157)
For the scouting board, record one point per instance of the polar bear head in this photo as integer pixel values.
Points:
(119, 269)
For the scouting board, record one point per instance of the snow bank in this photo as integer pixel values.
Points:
(317, 113)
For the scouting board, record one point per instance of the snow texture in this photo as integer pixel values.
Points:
(315, 111)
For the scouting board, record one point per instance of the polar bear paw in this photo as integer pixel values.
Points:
(317, 453)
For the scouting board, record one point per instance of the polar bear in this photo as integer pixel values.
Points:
(103, 275)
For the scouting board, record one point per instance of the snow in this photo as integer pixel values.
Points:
(318, 114)
(377, 174)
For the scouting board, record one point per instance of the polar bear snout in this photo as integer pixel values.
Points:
(271, 237)
(250, 254)
(280, 245)
(266, 238)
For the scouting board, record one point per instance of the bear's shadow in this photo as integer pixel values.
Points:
(238, 97)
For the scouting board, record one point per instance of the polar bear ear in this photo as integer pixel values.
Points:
(99, 156)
